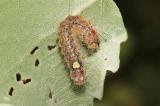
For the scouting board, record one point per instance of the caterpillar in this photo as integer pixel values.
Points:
(73, 31)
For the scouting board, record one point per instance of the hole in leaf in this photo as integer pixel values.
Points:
(11, 91)
(26, 81)
(105, 59)
(55, 101)
(33, 50)
(18, 76)
(50, 94)
(50, 47)
(36, 62)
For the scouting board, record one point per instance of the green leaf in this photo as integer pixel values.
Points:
(25, 24)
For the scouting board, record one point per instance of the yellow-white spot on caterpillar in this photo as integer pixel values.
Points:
(76, 65)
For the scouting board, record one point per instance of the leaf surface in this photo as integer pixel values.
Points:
(26, 24)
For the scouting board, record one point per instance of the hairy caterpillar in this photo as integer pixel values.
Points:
(72, 31)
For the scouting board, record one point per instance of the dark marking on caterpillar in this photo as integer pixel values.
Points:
(33, 50)
(11, 91)
(25, 81)
(18, 76)
(50, 47)
(72, 31)
(37, 62)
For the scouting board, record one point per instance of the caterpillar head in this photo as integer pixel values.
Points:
(92, 40)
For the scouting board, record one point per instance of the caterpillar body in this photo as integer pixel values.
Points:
(72, 31)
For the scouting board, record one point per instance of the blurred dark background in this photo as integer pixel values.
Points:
(137, 83)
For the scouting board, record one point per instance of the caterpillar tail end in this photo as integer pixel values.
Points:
(78, 76)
